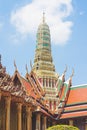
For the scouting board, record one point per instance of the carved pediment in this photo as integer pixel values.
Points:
(16, 81)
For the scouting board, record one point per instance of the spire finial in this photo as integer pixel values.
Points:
(43, 17)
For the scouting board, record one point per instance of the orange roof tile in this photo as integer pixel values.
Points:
(73, 114)
(77, 95)
(29, 88)
(75, 108)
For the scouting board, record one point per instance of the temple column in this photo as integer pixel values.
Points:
(45, 123)
(7, 103)
(38, 125)
(54, 82)
(45, 82)
(19, 120)
(48, 82)
(29, 118)
(86, 124)
(42, 122)
(51, 82)
(71, 122)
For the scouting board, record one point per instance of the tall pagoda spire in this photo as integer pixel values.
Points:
(43, 62)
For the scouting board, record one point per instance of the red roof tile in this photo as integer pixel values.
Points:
(29, 88)
(73, 114)
(77, 95)
(74, 108)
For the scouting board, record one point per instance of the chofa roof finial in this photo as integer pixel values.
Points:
(15, 65)
(65, 69)
(31, 64)
(72, 73)
(26, 68)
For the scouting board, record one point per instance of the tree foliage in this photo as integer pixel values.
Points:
(62, 127)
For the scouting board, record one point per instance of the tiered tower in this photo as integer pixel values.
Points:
(43, 64)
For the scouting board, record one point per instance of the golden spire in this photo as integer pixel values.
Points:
(43, 17)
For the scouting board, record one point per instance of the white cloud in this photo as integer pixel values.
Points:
(27, 18)
(17, 38)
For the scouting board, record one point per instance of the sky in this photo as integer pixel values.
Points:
(67, 20)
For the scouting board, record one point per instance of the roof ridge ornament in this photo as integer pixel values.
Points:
(65, 70)
(26, 68)
(72, 73)
(31, 64)
(70, 79)
(15, 65)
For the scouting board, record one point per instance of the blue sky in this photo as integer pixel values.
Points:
(67, 20)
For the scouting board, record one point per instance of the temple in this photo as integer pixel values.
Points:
(43, 97)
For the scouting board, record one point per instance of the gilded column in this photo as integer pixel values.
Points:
(86, 124)
(48, 82)
(19, 108)
(45, 123)
(38, 122)
(29, 118)
(54, 82)
(71, 122)
(7, 103)
(45, 82)
(51, 82)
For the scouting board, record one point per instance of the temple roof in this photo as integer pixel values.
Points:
(76, 105)
(72, 101)
(77, 95)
